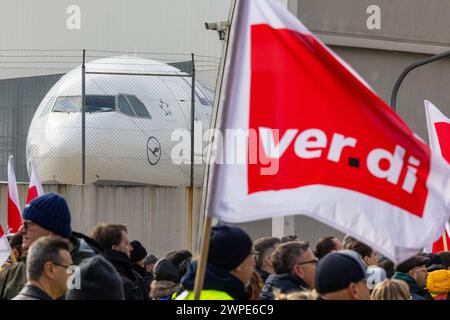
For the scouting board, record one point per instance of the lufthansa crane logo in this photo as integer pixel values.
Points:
(153, 150)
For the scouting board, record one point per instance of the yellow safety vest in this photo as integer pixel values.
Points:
(205, 295)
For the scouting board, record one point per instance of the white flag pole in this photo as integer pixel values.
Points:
(204, 245)
(444, 241)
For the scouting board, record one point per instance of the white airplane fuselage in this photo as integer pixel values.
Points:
(129, 124)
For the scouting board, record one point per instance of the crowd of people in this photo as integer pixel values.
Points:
(50, 261)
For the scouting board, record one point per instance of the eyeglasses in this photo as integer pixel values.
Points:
(254, 253)
(60, 265)
(27, 225)
(309, 261)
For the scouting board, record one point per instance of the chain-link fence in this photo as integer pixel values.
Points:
(106, 117)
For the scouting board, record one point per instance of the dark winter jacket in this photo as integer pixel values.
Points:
(263, 274)
(216, 279)
(138, 269)
(148, 279)
(133, 284)
(30, 292)
(13, 277)
(417, 293)
(145, 287)
(286, 283)
(83, 247)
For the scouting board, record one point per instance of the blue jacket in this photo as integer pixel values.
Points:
(286, 283)
(417, 293)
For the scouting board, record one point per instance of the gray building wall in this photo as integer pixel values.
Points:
(19, 99)
(174, 26)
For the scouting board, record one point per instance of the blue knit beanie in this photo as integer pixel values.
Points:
(229, 247)
(51, 212)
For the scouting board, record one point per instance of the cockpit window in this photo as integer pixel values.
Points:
(48, 106)
(132, 106)
(94, 103)
(67, 104)
(124, 106)
(100, 103)
(138, 106)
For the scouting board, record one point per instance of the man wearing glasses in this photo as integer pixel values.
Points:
(414, 272)
(47, 263)
(295, 266)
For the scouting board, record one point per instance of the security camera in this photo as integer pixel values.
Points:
(211, 25)
(221, 27)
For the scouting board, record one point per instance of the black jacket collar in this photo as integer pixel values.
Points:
(31, 292)
(141, 271)
(263, 274)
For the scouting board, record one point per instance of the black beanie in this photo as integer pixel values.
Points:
(99, 281)
(138, 252)
(338, 269)
(165, 270)
(51, 212)
(180, 259)
(229, 247)
(411, 263)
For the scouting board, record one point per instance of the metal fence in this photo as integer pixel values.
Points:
(106, 117)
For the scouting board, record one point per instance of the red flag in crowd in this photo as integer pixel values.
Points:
(35, 189)
(14, 215)
(320, 142)
(439, 135)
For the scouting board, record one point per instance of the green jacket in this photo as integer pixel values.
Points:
(12, 279)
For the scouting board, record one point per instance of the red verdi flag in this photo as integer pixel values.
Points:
(14, 215)
(320, 142)
(439, 135)
(35, 189)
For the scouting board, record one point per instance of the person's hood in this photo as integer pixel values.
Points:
(215, 279)
(163, 288)
(83, 247)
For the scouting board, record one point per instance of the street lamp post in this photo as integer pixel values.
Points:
(409, 69)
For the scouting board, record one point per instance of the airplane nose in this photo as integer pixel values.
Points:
(56, 148)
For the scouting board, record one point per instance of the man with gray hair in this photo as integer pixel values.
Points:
(47, 263)
(295, 265)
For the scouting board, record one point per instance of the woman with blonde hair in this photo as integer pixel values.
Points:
(391, 289)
